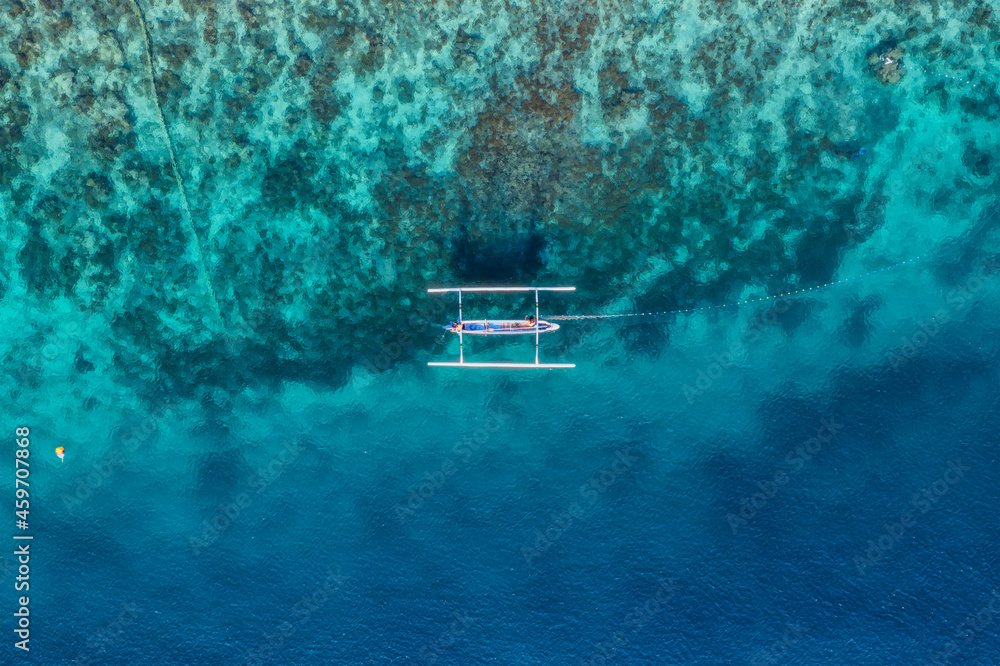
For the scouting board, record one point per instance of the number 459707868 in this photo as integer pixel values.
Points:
(21, 472)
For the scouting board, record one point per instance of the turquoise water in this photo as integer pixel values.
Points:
(219, 225)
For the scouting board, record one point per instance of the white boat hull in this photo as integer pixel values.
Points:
(503, 327)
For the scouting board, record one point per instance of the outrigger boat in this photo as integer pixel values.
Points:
(501, 327)
(531, 325)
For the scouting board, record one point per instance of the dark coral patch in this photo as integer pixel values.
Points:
(980, 162)
(497, 258)
(27, 47)
(111, 140)
(858, 326)
(97, 191)
(982, 107)
(36, 259)
(289, 181)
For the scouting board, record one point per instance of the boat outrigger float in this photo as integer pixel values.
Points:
(499, 327)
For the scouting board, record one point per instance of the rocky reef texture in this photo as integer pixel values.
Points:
(886, 63)
(339, 157)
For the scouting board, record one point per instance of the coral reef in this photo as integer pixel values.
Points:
(885, 62)
(272, 184)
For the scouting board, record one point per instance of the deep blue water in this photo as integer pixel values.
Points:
(778, 445)
(654, 532)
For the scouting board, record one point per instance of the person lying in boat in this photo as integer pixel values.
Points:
(456, 327)
(528, 322)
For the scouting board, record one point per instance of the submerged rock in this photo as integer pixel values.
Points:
(885, 64)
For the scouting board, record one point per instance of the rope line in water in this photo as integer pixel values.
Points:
(735, 304)
(186, 218)
(987, 219)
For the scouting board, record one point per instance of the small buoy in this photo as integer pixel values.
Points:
(61, 452)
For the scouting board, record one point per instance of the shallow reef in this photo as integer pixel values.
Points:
(336, 159)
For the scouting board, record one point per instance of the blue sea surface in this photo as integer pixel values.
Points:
(779, 442)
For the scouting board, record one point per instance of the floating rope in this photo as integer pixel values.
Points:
(195, 243)
(736, 304)
(953, 247)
